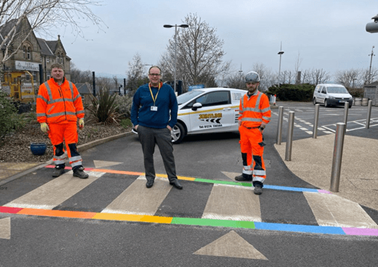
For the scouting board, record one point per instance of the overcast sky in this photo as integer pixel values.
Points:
(320, 34)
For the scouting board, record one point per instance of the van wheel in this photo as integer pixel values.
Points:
(326, 103)
(178, 133)
(314, 101)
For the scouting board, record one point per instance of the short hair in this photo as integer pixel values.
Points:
(57, 65)
(154, 67)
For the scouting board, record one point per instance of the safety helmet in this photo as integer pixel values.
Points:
(252, 77)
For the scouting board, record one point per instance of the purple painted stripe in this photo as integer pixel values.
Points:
(324, 192)
(360, 231)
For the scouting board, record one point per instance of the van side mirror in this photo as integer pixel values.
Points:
(196, 106)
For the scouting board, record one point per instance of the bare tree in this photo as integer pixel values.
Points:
(316, 76)
(348, 77)
(199, 53)
(136, 75)
(235, 80)
(42, 15)
(365, 75)
(79, 76)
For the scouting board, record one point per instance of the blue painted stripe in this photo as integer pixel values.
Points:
(249, 184)
(300, 228)
(286, 188)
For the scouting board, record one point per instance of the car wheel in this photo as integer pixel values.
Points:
(178, 133)
(326, 103)
(314, 101)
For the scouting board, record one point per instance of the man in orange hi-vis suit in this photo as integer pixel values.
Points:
(255, 114)
(59, 106)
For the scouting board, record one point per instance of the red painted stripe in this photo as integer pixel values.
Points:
(10, 210)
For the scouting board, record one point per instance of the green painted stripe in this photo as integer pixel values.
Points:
(213, 222)
(221, 182)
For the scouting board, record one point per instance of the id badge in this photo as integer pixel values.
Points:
(154, 108)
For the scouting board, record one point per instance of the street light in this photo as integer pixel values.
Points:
(371, 61)
(280, 53)
(170, 26)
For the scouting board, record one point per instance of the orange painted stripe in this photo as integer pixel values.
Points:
(118, 172)
(57, 213)
(132, 218)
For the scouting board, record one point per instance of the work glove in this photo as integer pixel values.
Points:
(81, 123)
(44, 127)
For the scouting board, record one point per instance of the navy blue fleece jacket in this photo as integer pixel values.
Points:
(166, 102)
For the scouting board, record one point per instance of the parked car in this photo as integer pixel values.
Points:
(332, 95)
(207, 110)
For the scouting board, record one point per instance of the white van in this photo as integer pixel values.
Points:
(332, 95)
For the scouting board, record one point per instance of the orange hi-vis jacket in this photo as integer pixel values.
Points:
(59, 103)
(254, 110)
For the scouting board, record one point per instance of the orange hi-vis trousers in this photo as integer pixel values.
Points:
(67, 132)
(251, 144)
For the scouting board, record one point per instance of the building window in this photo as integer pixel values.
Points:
(24, 51)
(29, 56)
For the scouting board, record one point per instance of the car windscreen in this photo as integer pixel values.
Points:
(337, 90)
(181, 99)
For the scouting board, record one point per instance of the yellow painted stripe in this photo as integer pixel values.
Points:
(206, 111)
(179, 177)
(132, 218)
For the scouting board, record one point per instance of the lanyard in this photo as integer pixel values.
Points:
(154, 98)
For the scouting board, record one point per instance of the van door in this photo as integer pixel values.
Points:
(322, 94)
(216, 113)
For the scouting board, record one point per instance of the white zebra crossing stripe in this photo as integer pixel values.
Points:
(54, 192)
(332, 210)
(5, 228)
(137, 199)
(228, 202)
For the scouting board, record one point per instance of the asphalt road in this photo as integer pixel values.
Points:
(285, 230)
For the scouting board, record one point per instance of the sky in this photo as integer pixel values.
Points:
(321, 34)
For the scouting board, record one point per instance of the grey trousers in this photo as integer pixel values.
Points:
(162, 137)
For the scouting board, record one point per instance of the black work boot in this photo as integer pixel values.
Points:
(58, 171)
(243, 177)
(79, 172)
(258, 189)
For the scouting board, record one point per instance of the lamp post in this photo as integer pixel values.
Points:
(170, 26)
(371, 61)
(279, 68)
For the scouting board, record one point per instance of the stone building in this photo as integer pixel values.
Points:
(30, 66)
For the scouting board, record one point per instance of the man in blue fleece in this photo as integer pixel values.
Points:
(153, 114)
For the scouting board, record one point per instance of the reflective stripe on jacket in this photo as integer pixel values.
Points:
(254, 110)
(57, 103)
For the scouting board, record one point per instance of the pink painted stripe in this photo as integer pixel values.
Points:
(10, 210)
(324, 192)
(360, 231)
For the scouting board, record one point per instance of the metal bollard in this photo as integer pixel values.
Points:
(289, 138)
(316, 121)
(368, 114)
(346, 107)
(337, 156)
(279, 127)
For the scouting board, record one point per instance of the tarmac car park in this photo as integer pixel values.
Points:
(207, 110)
